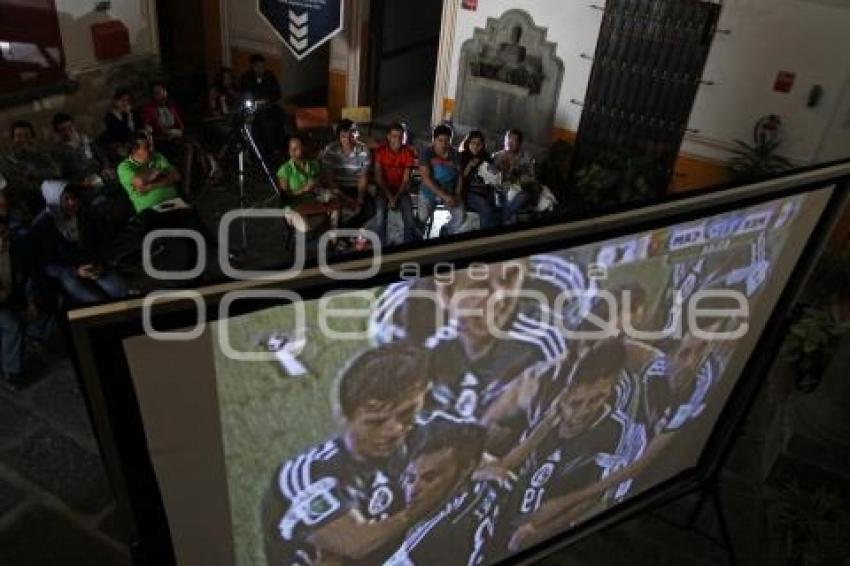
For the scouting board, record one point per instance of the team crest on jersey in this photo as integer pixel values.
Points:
(381, 500)
(312, 506)
(543, 475)
(467, 403)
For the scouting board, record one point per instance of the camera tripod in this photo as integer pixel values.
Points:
(243, 144)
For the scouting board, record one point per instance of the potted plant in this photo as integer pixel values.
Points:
(617, 178)
(759, 160)
(811, 343)
(813, 526)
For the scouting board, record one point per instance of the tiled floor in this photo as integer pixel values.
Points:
(55, 501)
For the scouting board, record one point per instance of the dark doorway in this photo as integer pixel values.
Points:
(404, 45)
(647, 69)
(189, 44)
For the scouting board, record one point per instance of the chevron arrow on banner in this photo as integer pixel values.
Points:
(299, 20)
(298, 33)
(299, 45)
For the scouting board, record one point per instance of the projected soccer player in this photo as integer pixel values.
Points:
(485, 343)
(675, 399)
(339, 502)
(581, 440)
(443, 454)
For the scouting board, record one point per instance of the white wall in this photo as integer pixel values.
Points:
(807, 37)
(804, 37)
(572, 24)
(76, 17)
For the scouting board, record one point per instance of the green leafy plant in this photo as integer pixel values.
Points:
(616, 179)
(813, 526)
(811, 342)
(760, 160)
(593, 183)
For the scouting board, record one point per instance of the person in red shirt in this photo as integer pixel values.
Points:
(162, 116)
(394, 163)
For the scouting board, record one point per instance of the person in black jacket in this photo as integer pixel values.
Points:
(271, 124)
(480, 196)
(19, 316)
(121, 124)
(69, 245)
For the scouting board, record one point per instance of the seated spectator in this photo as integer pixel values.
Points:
(394, 162)
(299, 183)
(519, 177)
(480, 196)
(151, 183)
(26, 167)
(80, 160)
(120, 123)
(345, 168)
(223, 95)
(147, 176)
(442, 181)
(222, 103)
(85, 163)
(70, 247)
(20, 317)
(271, 124)
(163, 118)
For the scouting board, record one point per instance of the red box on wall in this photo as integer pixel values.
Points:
(111, 39)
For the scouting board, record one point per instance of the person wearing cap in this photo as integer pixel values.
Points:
(70, 248)
(345, 164)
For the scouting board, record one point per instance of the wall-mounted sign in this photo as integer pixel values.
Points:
(304, 25)
(784, 82)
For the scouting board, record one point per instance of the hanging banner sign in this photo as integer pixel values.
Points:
(304, 25)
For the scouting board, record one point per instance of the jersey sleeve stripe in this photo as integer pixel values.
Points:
(552, 334)
(525, 336)
(283, 481)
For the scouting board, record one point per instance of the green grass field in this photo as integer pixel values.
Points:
(268, 417)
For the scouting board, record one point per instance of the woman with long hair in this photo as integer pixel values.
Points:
(480, 196)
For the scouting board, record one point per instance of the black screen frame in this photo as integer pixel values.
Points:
(98, 334)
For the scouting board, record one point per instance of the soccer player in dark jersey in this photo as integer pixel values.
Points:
(680, 394)
(339, 502)
(502, 321)
(443, 454)
(581, 440)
